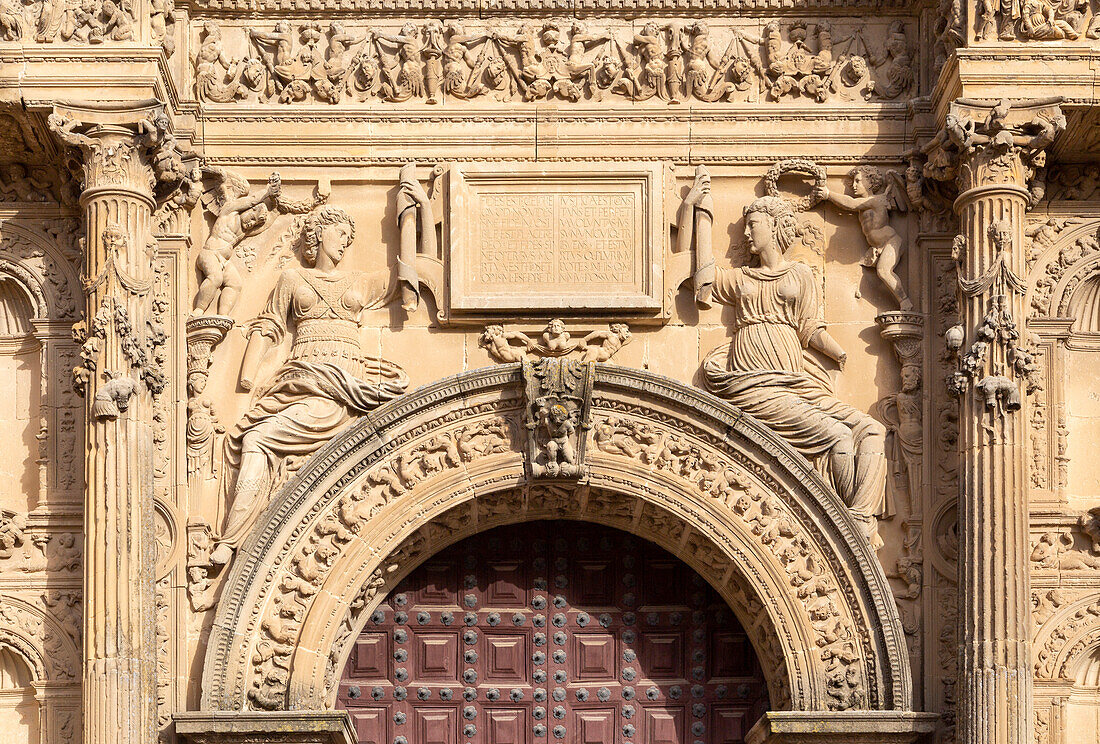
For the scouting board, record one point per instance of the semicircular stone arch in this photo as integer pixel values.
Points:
(697, 477)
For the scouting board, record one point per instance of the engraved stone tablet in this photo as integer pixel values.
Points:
(528, 237)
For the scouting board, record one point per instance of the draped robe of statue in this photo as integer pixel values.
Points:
(767, 372)
(326, 382)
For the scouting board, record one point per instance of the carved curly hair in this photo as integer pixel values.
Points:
(326, 215)
(872, 175)
(787, 229)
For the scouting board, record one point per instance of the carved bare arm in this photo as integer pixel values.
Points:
(248, 201)
(827, 345)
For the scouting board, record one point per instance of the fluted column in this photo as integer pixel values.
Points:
(118, 374)
(998, 157)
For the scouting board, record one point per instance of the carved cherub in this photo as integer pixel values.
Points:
(498, 343)
(238, 215)
(561, 455)
(874, 195)
(556, 338)
(23, 185)
(609, 342)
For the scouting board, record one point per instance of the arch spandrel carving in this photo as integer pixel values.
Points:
(392, 490)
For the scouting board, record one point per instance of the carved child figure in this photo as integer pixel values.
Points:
(497, 342)
(872, 199)
(609, 342)
(220, 280)
(556, 338)
(560, 453)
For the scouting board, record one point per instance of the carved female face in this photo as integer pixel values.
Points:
(334, 240)
(758, 231)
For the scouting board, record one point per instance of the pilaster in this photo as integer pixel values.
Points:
(997, 151)
(119, 374)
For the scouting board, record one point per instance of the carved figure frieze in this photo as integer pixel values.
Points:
(22, 183)
(75, 21)
(554, 342)
(1059, 551)
(12, 532)
(1033, 20)
(552, 59)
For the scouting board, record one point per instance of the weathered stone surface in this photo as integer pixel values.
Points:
(291, 298)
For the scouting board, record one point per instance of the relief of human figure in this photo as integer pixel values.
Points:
(239, 215)
(873, 196)
(327, 381)
(768, 371)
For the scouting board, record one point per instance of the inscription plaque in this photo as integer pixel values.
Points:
(546, 239)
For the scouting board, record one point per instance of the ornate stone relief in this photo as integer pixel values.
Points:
(557, 398)
(1034, 20)
(875, 195)
(84, 23)
(554, 341)
(765, 371)
(1072, 630)
(1061, 551)
(327, 380)
(555, 59)
(392, 499)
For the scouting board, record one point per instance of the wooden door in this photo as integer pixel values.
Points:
(551, 632)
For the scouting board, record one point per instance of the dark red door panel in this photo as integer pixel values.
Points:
(553, 632)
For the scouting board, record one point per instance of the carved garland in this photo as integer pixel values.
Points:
(351, 517)
(39, 638)
(1061, 269)
(1066, 638)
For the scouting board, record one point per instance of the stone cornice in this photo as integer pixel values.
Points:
(314, 8)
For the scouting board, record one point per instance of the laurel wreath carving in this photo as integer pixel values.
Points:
(796, 165)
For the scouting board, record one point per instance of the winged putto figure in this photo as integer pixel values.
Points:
(874, 194)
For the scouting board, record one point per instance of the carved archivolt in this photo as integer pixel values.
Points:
(1068, 639)
(39, 638)
(49, 279)
(665, 461)
(1069, 255)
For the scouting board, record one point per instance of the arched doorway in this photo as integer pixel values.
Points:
(548, 631)
(379, 500)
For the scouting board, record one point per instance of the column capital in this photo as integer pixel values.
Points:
(995, 147)
(128, 148)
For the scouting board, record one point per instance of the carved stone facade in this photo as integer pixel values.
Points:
(294, 296)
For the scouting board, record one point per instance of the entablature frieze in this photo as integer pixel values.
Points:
(628, 8)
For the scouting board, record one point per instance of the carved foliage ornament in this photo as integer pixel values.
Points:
(386, 499)
(558, 397)
(563, 59)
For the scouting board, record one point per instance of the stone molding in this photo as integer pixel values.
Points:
(299, 727)
(850, 727)
(774, 530)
